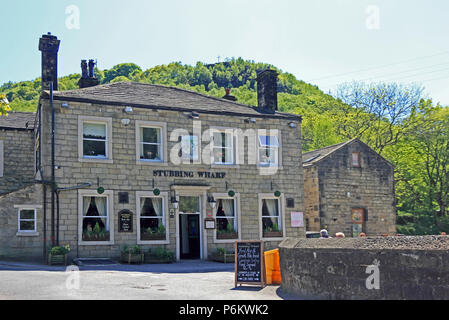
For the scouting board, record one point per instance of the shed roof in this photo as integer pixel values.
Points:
(162, 97)
(18, 121)
(313, 157)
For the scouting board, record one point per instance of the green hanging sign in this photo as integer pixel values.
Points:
(156, 192)
(231, 193)
(100, 190)
(277, 194)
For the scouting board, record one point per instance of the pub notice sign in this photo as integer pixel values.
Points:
(249, 263)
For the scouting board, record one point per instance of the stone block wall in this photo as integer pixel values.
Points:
(14, 245)
(18, 159)
(312, 198)
(408, 268)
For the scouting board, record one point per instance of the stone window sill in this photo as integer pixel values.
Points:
(27, 234)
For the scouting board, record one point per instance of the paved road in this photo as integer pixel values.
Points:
(179, 281)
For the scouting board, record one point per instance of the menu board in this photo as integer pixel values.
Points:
(249, 263)
(125, 221)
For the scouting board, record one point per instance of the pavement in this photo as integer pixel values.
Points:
(186, 280)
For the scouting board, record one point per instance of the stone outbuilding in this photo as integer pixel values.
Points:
(349, 188)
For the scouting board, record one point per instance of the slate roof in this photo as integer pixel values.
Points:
(18, 120)
(152, 96)
(312, 157)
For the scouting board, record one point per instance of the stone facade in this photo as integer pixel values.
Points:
(13, 243)
(17, 158)
(124, 174)
(334, 188)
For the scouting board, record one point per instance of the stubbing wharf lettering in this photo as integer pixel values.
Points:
(189, 174)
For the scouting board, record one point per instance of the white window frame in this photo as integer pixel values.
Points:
(162, 126)
(271, 147)
(109, 194)
(191, 158)
(232, 148)
(31, 208)
(108, 142)
(278, 156)
(236, 198)
(165, 218)
(281, 208)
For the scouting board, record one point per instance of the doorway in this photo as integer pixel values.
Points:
(189, 227)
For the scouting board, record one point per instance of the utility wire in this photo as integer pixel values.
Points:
(379, 67)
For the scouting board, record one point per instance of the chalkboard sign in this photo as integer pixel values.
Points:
(125, 221)
(249, 263)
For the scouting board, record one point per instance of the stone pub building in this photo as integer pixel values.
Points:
(107, 166)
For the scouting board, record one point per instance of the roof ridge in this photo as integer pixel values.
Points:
(328, 147)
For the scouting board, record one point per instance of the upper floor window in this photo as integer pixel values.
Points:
(356, 159)
(94, 140)
(268, 151)
(151, 141)
(190, 149)
(150, 144)
(223, 147)
(95, 135)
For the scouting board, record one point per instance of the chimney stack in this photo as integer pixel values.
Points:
(88, 75)
(49, 46)
(267, 92)
(228, 95)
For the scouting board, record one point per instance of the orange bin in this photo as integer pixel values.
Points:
(272, 267)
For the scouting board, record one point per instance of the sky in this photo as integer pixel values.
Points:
(323, 42)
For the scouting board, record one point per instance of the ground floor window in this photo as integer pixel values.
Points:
(271, 218)
(95, 219)
(152, 219)
(226, 216)
(27, 220)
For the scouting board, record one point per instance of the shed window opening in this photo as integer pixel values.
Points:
(223, 148)
(95, 219)
(152, 219)
(271, 218)
(356, 159)
(27, 220)
(268, 150)
(190, 148)
(150, 144)
(94, 140)
(226, 219)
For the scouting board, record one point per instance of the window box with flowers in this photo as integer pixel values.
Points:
(58, 255)
(132, 255)
(152, 234)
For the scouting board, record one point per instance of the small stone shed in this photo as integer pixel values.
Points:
(349, 188)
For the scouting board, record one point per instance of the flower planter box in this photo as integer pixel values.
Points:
(131, 257)
(57, 259)
(224, 258)
(227, 235)
(96, 237)
(151, 237)
(156, 260)
(273, 234)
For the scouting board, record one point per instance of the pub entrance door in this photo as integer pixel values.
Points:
(189, 227)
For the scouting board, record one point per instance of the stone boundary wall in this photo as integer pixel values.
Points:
(408, 268)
